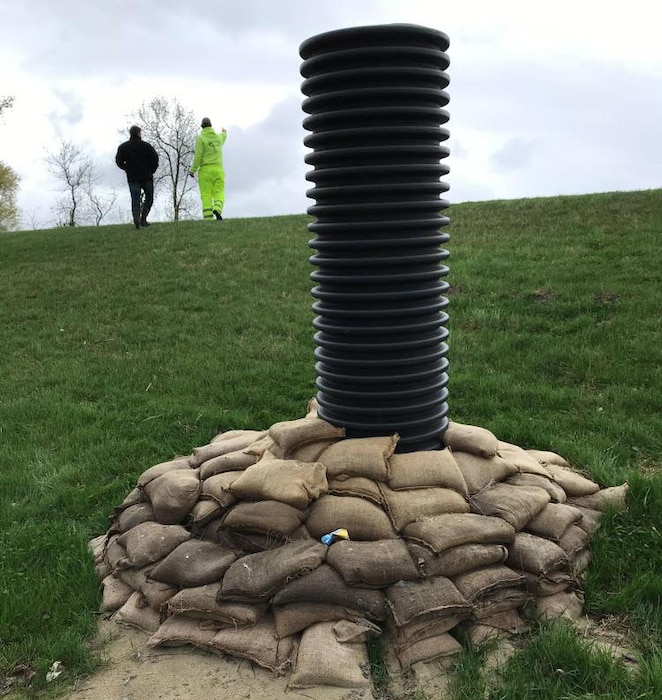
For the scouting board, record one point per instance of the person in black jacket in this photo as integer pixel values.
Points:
(139, 160)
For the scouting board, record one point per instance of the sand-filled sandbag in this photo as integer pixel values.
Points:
(591, 519)
(261, 447)
(238, 441)
(114, 593)
(311, 451)
(551, 583)
(438, 597)
(132, 516)
(556, 493)
(235, 433)
(181, 630)
(357, 486)
(257, 576)
(173, 494)
(423, 628)
(574, 540)
(201, 602)
(295, 617)
(481, 472)
(521, 459)
(517, 505)
(493, 627)
(456, 560)
(553, 520)
(363, 519)
(136, 614)
(479, 584)
(546, 458)
(569, 604)
(325, 585)
(404, 507)
(162, 468)
(203, 512)
(259, 644)
(324, 660)
(217, 487)
(441, 647)
(235, 461)
(292, 434)
(194, 563)
(265, 517)
(614, 497)
(372, 564)
(155, 593)
(573, 483)
(150, 542)
(288, 481)
(536, 554)
(365, 457)
(134, 496)
(442, 532)
(425, 469)
(461, 437)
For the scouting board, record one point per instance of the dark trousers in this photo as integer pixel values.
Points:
(136, 188)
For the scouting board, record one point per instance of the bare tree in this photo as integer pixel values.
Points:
(99, 205)
(172, 130)
(75, 172)
(5, 103)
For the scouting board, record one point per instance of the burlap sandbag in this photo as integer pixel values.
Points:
(310, 452)
(500, 601)
(289, 481)
(470, 438)
(520, 458)
(235, 461)
(154, 593)
(372, 564)
(162, 468)
(97, 547)
(456, 560)
(150, 542)
(194, 563)
(114, 593)
(325, 585)
(259, 644)
(366, 457)
(614, 497)
(181, 630)
(517, 505)
(422, 628)
(201, 603)
(546, 458)
(239, 441)
(481, 472)
(591, 519)
(132, 516)
(442, 532)
(438, 597)
(550, 584)
(553, 520)
(569, 604)
(357, 486)
(574, 540)
(173, 494)
(323, 660)
(536, 555)
(265, 517)
(264, 445)
(292, 434)
(235, 433)
(136, 614)
(134, 496)
(295, 617)
(440, 647)
(311, 408)
(425, 469)
(573, 483)
(362, 519)
(479, 584)
(257, 576)
(403, 507)
(218, 488)
(556, 493)
(203, 512)
(494, 627)
(581, 561)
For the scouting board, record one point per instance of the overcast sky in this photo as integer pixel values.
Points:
(545, 98)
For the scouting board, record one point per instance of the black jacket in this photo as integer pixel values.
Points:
(138, 159)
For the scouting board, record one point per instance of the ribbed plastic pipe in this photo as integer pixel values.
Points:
(375, 97)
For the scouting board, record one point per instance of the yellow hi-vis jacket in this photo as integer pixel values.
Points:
(208, 149)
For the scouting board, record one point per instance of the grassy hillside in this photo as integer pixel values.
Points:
(122, 348)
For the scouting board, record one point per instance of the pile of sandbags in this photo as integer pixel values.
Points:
(222, 549)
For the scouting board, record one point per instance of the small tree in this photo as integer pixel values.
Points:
(8, 189)
(99, 205)
(172, 130)
(75, 172)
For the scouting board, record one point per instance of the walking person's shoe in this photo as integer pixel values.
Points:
(136, 222)
(218, 215)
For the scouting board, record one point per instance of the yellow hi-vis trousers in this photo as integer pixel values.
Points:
(211, 180)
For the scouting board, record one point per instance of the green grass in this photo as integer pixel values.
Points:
(123, 348)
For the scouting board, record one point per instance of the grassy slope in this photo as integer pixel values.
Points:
(123, 348)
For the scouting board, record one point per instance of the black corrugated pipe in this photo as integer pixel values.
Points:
(375, 96)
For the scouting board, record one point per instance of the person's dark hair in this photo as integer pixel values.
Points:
(134, 132)
(206, 121)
